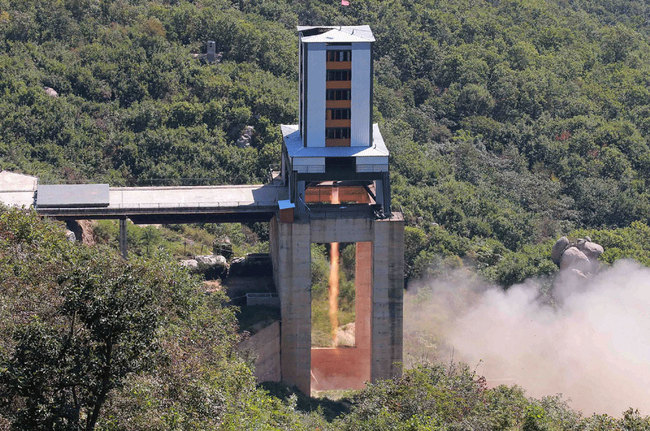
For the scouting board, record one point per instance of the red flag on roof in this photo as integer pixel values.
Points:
(345, 3)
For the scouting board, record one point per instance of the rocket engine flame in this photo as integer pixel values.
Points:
(334, 279)
(334, 291)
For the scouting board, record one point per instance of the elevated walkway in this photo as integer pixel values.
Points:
(182, 204)
(176, 204)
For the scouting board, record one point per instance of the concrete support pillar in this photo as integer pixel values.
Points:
(123, 243)
(386, 192)
(291, 256)
(387, 300)
(379, 282)
(363, 298)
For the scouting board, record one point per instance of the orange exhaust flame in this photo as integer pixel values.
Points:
(334, 280)
(334, 291)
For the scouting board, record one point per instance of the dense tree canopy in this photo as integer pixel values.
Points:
(89, 341)
(509, 122)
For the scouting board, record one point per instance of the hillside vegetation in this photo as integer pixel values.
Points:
(88, 341)
(509, 122)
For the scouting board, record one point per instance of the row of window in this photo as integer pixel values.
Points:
(339, 75)
(339, 55)
(339, 114)
(337, 133)
(338, 94)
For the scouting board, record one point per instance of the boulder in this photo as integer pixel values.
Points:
(558, 249)
(573, 258)
(70, 236)
(51, 92)
(190, 263)
(207, 260)
(212, 265)
(246, 136)
(591, 250)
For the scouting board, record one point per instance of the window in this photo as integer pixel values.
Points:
(337, 94)
(339, 75)
(337, 133)
(339, 55)
(339, 114)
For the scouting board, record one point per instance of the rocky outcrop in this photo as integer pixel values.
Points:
(223, 246)
(211, 265)
(246, 137)
(192, 264)
(579, 257)
(211, 260)
(51, 92)
(572, 258)
(82, 230)
(590, 249)
(559, 247)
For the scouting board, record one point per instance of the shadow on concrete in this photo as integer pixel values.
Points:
(269, 194)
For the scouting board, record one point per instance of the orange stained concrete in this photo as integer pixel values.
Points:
(349, 367)
(321, 193)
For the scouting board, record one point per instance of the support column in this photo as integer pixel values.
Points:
(386, 191)
(387, 300)
(123, 243)
(291, 256)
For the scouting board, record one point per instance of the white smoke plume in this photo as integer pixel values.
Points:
(591, 342)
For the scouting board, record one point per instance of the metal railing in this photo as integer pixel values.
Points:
(161, 205)
(360, 168)
(326, 211)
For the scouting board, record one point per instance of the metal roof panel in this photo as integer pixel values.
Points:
(72, 195)
(338, 34)
(293, 142)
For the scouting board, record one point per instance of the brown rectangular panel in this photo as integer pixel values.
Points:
(338, 103)
(338, 123)
(337, 142)
(338, 84)
(338, 65)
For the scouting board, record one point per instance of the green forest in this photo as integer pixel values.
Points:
(88, 341)
(509, 122)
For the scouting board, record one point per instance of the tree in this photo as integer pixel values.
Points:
(92, 321)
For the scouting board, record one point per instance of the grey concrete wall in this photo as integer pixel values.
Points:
(291, 256)
(342, 230)
(387, 300)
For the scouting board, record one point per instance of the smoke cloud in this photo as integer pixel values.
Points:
(586, 339)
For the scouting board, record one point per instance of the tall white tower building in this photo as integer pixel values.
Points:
(335, 140)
